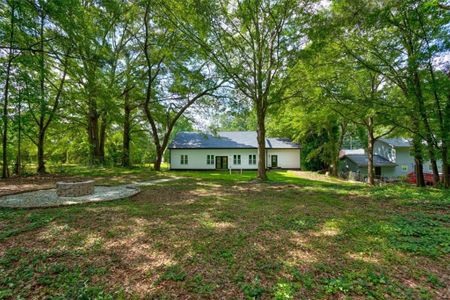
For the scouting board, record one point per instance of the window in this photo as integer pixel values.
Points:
(184, 159)
(430, 167)
(404, 168)
(252, 159)
(209, 159)
(236, 159)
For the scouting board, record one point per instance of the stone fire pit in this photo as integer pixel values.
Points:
(75, 188)
(71, 193)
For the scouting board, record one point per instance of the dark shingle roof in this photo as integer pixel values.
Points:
(362, 160)
(397, 142)
(227, 139)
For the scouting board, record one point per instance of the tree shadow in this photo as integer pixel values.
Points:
(227, 239)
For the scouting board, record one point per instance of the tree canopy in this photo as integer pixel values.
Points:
(111, 82)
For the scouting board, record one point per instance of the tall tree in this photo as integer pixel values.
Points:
(6, 89)
(188, 76)
(385, 38)
(252, 42)
(48, 64)
(100, 33)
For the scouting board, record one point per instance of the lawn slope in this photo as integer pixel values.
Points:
(216, 235)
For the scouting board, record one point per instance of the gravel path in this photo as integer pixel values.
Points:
(48, 198)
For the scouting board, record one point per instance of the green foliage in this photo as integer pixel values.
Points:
(284, 291)
(309, 70)
(199, 286)
(174, 273)
(301, 223)
(253, 290)
(423, 234)
(305, 279)
(32, 223)
(370, 284)
(66, 281)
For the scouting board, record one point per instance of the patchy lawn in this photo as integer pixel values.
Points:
(216, 235)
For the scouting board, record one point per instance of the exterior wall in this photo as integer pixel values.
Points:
(197, 158)
(402, 157)
(287, 158)
(385, 172)
(385, 150)
(427, 166)
(405, 163)
(346, 165)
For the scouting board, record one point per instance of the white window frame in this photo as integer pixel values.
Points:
(236, 159)
(210, 159)
(252, 159)
(184, 159)
(405, 168)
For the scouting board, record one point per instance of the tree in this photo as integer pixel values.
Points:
(252, 42)
(386, 39)
(98, 38)
(6, 88)
(47, 62)
(165, 52)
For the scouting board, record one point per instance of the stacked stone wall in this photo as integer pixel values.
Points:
(75, 189)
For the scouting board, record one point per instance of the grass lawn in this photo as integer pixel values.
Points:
(215, 235)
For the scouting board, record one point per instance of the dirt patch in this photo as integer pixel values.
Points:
(15, 185)
(317, 176)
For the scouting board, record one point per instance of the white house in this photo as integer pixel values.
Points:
(230, 150)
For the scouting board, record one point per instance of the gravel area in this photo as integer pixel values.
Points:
(48, 198)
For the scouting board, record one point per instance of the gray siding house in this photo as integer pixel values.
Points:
(392, 159)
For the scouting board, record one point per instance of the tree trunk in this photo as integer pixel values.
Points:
(261, 136)
(92, 136)
(428, 130)
(102, 141)
(126, 132)
(43, 108)
(96, 134)
(40, 145)
(416, 87)
(445, 166)
(5, 171)
(5, 119)
(446, 140)
(442, 117)
(370, 145)
(434, 167)
(420, 181)
(18, 167)
(343, 131)
(417, 146)
(158, 160)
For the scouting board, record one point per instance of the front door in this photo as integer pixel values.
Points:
(274, 160)
(221, 162)
(377, 172)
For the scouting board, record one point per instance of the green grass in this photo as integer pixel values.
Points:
(212, 234)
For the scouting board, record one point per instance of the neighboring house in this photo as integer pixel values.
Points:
(230, 150)
(392, 158)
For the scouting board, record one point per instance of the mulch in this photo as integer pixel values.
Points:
(16, 185)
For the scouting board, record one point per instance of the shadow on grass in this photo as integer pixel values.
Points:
(223, 238)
